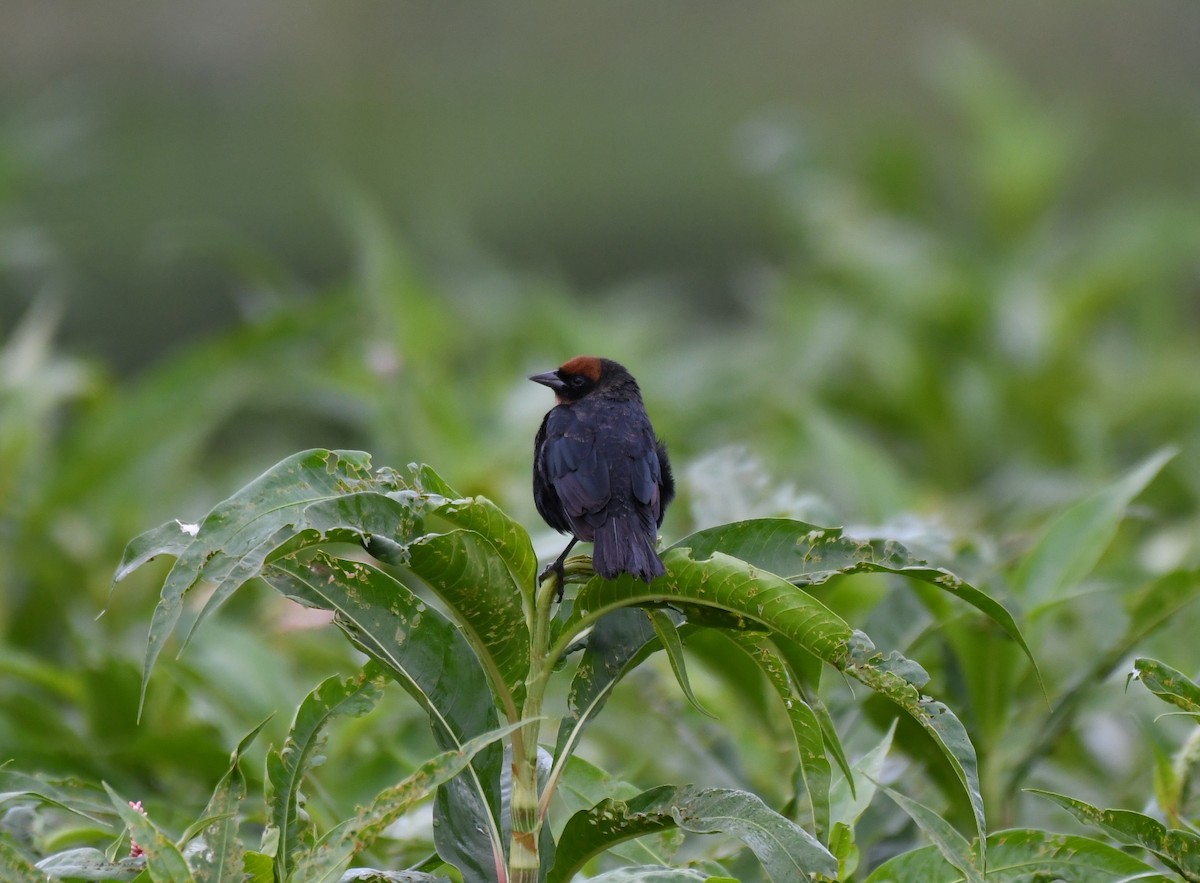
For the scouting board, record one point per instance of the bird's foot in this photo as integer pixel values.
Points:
(555, 569)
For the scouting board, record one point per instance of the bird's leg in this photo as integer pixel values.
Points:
(557, 567)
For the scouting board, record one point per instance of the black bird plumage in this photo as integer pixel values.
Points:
(599, 472)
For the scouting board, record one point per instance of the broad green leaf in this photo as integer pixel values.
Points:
(466, 571)
(329, 857)
(953, 846)
(1168, 684)
(1074, 541)
(1020, 855)
(432, 660)
(730, 584)
(164, 862)
(668, 636)
(807, 555)
(287, 826)
(223, 859)
(234, 540)
(787, 852)
(259, 867)
(86, 863)
(1178, 848)
(166, 539)
(511, 540)
(583, 785)
(814, 766)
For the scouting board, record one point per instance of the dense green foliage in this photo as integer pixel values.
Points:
(1004, 384)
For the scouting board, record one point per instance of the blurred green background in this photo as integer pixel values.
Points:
(929, 269)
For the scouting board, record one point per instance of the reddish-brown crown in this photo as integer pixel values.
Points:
(588, 366)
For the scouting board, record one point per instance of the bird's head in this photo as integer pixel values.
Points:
(581, 375)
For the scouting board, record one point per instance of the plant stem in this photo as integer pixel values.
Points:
(523, 858)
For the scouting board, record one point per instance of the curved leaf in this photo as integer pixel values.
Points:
(233, 541)
(953, 846)
(223, 859)
(510, 539)
(668, 635)
(432, 660)
(86, 863)
(1178, 848)
(650, 874)
(1167, 683)
(326, 861)
(466, 571)
(807, 555)
(1023, 854)
(287, 827)
(732, 585)
(787, 852)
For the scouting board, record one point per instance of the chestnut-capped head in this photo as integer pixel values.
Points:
(582, 375)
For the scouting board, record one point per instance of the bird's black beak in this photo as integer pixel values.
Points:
(550, 379)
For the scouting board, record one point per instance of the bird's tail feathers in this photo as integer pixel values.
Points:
(627, 545)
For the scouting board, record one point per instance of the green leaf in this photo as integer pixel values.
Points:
(953, 846)
(164, 861)
(814, 766)
(511, 540)
(466, 571)
(334, 851)
(668, 636)
(223, 861)
(807, 555)
(433, 662)
(1166, 683)
(86, 863)
(584, 785)
(731, 585)
(787, 852)
(650, 874)
(1020, 855)
(287, 826)
(1177, 848)
(234, 540)
(850, 798)
(1074, 541)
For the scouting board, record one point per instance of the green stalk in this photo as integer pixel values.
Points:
(523, 858)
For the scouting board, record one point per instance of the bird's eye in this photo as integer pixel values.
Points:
(578, 381)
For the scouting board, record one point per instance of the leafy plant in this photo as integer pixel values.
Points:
(447, 605)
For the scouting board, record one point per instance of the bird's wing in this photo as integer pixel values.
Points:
(575, 466)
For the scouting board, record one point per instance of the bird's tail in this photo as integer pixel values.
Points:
(627, 545)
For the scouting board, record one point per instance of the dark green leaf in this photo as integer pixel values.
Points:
(787, 852)
(668, 636)
(466, 571)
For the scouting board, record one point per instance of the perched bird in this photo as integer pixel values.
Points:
(599, 472)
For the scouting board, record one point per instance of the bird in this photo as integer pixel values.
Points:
(599, 471)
